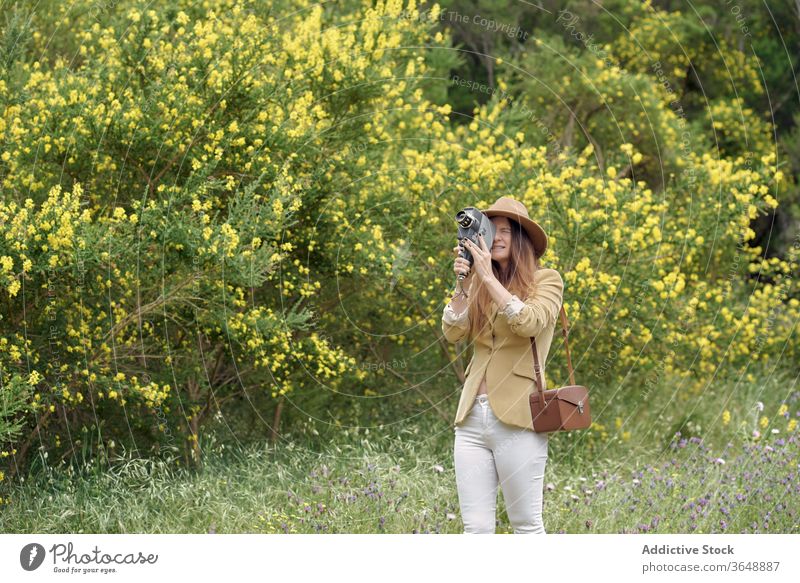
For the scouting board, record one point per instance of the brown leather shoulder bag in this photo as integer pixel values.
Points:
(561, 409)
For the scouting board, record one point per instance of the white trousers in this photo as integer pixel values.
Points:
(487, 450)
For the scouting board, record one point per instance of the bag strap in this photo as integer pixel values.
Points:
(537, 367)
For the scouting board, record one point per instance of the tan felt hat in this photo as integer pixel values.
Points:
(506, 206)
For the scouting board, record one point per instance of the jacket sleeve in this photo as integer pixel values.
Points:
(454, 326)
(541, 307)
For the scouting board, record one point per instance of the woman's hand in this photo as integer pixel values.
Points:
(481, 259)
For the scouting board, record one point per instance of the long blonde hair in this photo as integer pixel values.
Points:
(517, 278)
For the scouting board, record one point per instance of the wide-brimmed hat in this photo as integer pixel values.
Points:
(506, 206)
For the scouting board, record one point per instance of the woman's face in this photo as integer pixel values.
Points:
(501, 248)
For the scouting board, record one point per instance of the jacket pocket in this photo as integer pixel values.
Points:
(524, 369)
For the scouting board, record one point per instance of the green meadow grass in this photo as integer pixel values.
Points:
(713, 477)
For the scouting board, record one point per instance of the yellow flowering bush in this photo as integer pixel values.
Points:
(228, 202)
(678, 44)
(736, 129)
(169, 172)
(655, 191)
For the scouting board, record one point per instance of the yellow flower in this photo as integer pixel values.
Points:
(726, 417)
(764, 422)
(14, 288)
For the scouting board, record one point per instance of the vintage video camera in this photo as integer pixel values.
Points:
(471, 223)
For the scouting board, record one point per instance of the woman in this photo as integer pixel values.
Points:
(494, 436)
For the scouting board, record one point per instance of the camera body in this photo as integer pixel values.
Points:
(471, 223)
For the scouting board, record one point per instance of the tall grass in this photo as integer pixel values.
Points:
(609, 479)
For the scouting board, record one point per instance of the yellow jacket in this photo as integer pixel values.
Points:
(503, 350)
